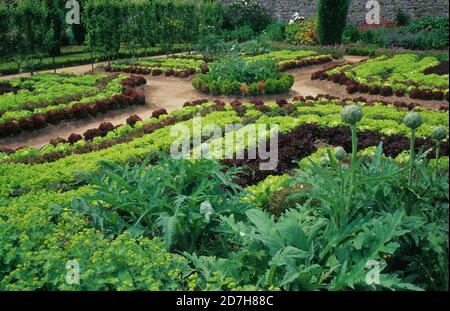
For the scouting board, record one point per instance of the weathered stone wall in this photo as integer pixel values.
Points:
(284, 9)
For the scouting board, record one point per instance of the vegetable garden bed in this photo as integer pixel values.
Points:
(49, 99)
(388, 76)
(178, 67)
(32, 181)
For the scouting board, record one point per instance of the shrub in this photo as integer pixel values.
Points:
(332, 16)
(440, 24)
(368, 36)
(350, 34)
(361, 51)
(214, 88)
(401, 18)
(245, 90)
(413, 37)
(234, 68)
(241, 34)
(246, 12)
(275, 32)
(303, 32)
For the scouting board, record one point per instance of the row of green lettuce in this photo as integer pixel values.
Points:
(384, 119)
(52, 93)
(403, 71)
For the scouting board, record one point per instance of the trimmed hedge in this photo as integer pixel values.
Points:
(332, 15)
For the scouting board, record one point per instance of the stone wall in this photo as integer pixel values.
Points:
(284, 9)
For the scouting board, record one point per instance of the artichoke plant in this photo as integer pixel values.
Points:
(352, 114)
(413, 120)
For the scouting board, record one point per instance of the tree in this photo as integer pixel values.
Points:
(332, 15)
(55, 21)
(211, 18)
(103, 20)
(5, 20)
(149, 36)
(188, 23)
(52, 43)
(166, 20)
(28, 31)
(131, 30)
(78, 30)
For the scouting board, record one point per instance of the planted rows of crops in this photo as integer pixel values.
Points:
(135, 218)
(255, 75)
(40, 219)
(358, 187)
(399, 75)
(49, 99)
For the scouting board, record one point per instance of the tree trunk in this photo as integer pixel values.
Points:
(54, 64)
(92, 61)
